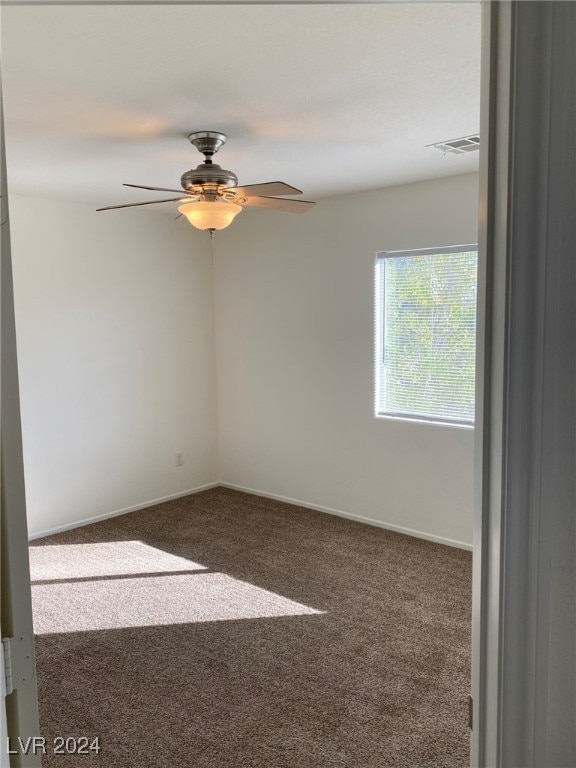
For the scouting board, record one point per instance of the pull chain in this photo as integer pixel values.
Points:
(211, 231)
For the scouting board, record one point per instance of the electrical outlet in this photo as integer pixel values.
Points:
(179, 459)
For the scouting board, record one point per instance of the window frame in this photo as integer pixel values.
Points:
(379, 331)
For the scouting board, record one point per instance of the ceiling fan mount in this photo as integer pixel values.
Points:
(207, 142)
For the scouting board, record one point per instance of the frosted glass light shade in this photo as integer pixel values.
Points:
(210, 215)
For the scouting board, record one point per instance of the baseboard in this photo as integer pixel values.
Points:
(350, 516)
(118, 512)
(255, 492)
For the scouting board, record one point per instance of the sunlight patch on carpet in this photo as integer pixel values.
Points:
(109, 558)
(154, 601)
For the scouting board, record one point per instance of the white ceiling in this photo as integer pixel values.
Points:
(329, 98)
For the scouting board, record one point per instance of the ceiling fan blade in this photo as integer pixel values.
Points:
(277, 204)
(156, 189)
(267, 188)
(148, 202)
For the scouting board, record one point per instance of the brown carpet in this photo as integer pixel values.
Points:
(225, 630)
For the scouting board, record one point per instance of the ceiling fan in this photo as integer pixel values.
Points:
(212, 197)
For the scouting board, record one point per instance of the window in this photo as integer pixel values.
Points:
(426, 334)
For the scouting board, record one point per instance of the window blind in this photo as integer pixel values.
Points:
(426, 334)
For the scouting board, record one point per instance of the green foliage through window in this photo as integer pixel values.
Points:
(426, 334)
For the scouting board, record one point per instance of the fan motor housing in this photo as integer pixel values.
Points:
(208, 174)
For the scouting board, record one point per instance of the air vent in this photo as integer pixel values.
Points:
(458, 146)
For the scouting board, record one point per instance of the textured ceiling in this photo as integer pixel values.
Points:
(329, 98)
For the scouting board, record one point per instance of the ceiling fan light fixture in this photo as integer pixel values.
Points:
(213, 214)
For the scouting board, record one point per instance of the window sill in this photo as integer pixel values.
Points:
(427, 422)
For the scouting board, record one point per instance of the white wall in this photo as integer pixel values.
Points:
(295, 317)
(114, 316)
(118, 360)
